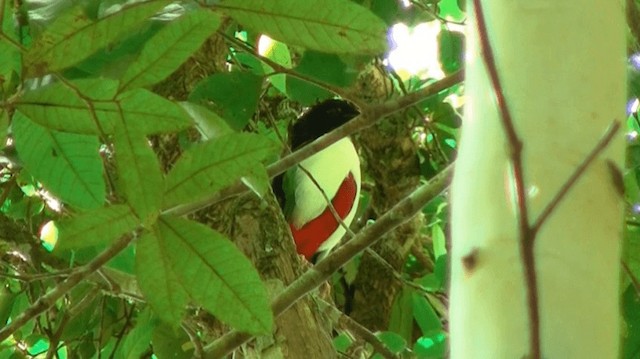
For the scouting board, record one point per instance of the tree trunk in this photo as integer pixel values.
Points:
(561, 66)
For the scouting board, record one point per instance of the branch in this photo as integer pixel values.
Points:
(357, 328)
(314, 276)
(577, 173)
(526, 236)
(48, 300)
(368, 118)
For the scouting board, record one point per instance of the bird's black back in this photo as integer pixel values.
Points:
(319, 120)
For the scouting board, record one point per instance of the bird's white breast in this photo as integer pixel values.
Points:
(329, 168)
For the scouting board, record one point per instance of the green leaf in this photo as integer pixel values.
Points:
(223, 90)
(208, 123)
(216, 274)
(6, 303)
(157, 281)
(257, 181)
(388, 10)
(59, 107)
(334, 26)
(393, 341)
(170, 343)
(401, 320)
(9, 53)
(96, 227)
(342, 342)
(425, 316)
(328, 68)
(68, 165)
(4, 125)
(151, 114)
(451, 50)
(138, 340)
(433, 345)
(278, 52)
(170, 47)
(74, 36)
(439, 241)
(210, 166)
(451, 9)
(631, 313)
(139, 174)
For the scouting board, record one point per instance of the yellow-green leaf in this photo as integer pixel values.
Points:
(157, 281)
(60, 106)
(334, 26)
(96, 227)
(139, 174)
(215, 274)
(74, 36)
(170, 47)
(67, 164)
(210, 166)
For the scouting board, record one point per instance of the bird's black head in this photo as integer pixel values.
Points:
(319, 120)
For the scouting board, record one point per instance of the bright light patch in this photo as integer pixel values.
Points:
(265, 43)
(415, 51)
(632, 136)
(49, 235)
(632, 106)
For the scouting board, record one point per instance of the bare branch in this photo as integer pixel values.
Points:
(577, 173)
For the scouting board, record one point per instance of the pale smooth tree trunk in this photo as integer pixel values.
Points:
(561, 64)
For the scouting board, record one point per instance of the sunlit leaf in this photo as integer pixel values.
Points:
(96, 227)
(151, 114)
(208, 123)
(74, 36)
(68, 165)
(157, 280)
(334, 26)
(139, 174)
(170, 47)
(210, 166)
(215, 274)
(60, 106)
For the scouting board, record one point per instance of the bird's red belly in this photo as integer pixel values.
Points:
(310, 237)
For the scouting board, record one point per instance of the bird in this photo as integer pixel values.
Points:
(334, 170)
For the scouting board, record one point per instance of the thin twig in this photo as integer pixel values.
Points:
(402, 212)
(48, 300)
(357, 328)
(577, 173)
(526, 236)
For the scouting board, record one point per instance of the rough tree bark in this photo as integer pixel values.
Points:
(561, 69)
